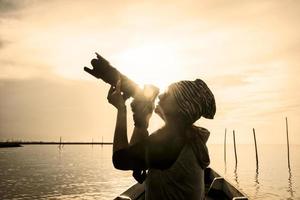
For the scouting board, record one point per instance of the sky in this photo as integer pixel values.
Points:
(248, 52)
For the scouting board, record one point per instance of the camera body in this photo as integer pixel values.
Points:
(103, 70)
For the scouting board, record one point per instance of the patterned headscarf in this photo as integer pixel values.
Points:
(194, 99)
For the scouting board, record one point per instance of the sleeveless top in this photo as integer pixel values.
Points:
(183, 180)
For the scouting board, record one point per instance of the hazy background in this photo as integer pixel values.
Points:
(248, 52)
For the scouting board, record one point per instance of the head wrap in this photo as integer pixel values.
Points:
(194, 99)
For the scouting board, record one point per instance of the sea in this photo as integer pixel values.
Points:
(86, 171)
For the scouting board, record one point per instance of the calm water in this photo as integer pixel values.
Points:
(272, 179)
(86, 172)
(45, 172)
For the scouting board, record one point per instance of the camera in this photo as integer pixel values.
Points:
(103, 70)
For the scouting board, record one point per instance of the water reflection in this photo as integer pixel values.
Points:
(225, 169)
(256, 177)
(270, 180)
(236, 178)
(290, 184)
(60, 150)
(83, 172)
(48, 172)
(256, 182)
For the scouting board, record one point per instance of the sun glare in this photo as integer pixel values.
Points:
(149, 64)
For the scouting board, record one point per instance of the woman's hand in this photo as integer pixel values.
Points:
(142, 110)
(115, 97)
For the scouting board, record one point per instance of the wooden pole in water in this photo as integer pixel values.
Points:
(60, 145)
(225, 146)
(287, 140)
(255, 148)
(234, 148)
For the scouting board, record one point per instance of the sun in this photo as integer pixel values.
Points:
(149, 64)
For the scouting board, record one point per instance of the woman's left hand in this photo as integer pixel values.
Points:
(142, 110)
(115, 97)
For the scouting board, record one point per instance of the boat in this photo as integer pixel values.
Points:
(216, 187)
(9, 144)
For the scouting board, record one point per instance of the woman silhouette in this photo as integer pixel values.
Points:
(174, 156)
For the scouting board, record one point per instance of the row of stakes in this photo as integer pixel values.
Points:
(235, 154)
(256, 154)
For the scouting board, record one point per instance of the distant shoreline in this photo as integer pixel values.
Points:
(19, 144)
(68, 143)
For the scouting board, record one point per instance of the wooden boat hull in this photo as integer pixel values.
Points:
(9, 144)
(216, 187)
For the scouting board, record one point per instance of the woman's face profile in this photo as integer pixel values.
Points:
(167, 105)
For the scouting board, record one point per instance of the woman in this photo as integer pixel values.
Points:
(175, 155)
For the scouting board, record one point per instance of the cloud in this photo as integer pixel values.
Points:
(248, 52)
(10, 8)
(44, 109)
(230, 80)
(24, 69)
(8, 5)
(2, 43)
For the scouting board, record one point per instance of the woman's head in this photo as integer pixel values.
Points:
(189, 100)
(167, 107)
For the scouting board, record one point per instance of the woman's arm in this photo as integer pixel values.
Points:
(142, 109)
(124, 158)
(131, 158)
(115, 98)
(146, 151)
(127, 157)
(120, 136)
(155, 151)
(139, 134)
